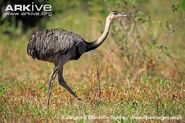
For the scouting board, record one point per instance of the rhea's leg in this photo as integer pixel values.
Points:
(63, 83)
(50, 83)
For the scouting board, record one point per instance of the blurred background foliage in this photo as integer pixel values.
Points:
(141, 62)
(18, 24)
(91, 6)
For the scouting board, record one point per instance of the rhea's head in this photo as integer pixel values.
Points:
(115, 14)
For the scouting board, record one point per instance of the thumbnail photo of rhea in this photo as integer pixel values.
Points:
(92, 61)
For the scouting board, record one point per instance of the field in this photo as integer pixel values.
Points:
(138, 71)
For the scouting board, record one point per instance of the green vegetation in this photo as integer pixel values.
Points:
(138, 71)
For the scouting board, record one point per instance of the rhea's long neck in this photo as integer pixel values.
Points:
(101, 39)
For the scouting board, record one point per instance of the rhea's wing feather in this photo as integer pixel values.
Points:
(49, 42)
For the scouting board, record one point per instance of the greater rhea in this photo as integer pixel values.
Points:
(59, 46)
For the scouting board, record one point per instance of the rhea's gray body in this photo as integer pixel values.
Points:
(59, 46)
(50, 44)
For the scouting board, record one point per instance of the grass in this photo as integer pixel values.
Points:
(112, 81)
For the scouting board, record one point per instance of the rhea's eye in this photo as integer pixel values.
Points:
(114, 12)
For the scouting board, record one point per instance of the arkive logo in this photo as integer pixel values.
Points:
(28, 9)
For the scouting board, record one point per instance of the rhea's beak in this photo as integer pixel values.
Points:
(122, 14)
